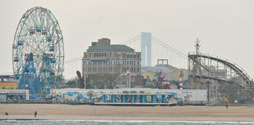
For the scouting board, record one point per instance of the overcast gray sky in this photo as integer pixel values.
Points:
(225, 27)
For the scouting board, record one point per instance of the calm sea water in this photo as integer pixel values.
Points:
(108, 122)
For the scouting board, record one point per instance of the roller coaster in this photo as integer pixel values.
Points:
(222, 78)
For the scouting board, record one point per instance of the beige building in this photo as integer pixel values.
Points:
(8, 82)
(105, 58)
(171, 73)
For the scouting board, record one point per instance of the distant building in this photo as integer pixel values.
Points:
(105, 58)
(172, 74)
(8, 82)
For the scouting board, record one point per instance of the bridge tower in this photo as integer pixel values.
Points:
(146, 48)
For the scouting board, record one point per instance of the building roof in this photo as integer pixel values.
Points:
(112, 48)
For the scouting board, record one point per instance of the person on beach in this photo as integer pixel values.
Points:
(35, 113)
(6, 113)
(226, 100)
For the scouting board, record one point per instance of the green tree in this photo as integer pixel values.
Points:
(72, 83)
(149, 86)
(101, 81)
(60, 81)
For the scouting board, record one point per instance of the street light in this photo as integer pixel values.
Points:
(128, 74)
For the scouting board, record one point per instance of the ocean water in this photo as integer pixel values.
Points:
(115, 122)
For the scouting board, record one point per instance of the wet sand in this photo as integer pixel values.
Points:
(164, 113)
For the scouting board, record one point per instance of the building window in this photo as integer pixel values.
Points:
(115, 69)
(89, 70)
(100, 62)
(110, 69)
(89, 62)
(94, 69)
(104, 69)
(100, 69)
(123, 69)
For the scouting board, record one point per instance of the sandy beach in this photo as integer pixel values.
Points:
(91, 112)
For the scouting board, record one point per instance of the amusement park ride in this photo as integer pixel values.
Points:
(222, 78)
(38, 52)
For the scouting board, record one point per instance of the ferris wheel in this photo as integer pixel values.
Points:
(38, 50)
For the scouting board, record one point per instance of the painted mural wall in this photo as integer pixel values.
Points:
(96, 95)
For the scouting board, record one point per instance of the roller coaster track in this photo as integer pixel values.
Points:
(211, 78)
(238, 70)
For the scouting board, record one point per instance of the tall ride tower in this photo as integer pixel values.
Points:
(146, 48)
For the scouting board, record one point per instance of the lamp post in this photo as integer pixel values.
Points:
(129, 75)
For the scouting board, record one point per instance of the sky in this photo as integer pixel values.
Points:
(225, 27)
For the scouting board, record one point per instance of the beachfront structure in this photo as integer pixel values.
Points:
(13, 95)
(131, 96)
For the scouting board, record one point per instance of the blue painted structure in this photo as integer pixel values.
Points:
(131, 98)
(29, 79)
(134, 96)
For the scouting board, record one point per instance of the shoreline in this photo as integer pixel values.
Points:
(127, 121)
